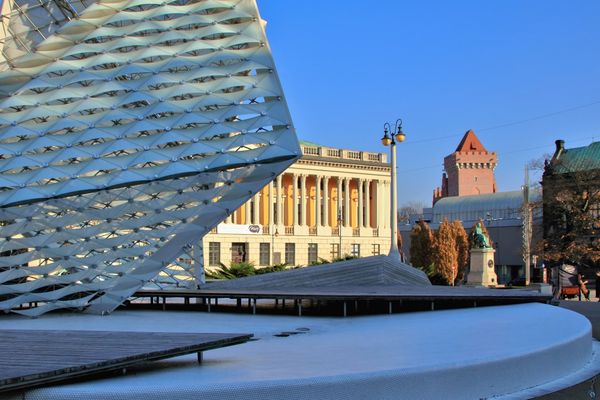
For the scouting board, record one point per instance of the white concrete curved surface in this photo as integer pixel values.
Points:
(455, 354)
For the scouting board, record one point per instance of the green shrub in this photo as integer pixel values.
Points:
(235, 270)
(242, 269)
(434, 276)
(345, 257)
(272, 268)
(320, 261)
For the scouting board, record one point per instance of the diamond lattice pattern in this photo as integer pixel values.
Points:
(125, 136)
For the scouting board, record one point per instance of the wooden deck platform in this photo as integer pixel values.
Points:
(31, 358)
(394, 296)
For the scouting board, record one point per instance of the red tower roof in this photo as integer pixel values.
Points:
(470, 142)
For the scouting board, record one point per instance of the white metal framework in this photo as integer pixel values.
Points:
(128, 129)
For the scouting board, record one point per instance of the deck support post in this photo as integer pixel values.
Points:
(345, 310)
(299, 307)
(254, 306)
(200, 357)
(389, 307)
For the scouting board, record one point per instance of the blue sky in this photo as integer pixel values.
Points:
(521, 73)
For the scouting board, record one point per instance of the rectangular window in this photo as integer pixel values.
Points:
(214, 253)
(290, 253)
(376, 249)
(265, 254)
(313, 253)
(239, 252)
(335, 251)
(355, 250)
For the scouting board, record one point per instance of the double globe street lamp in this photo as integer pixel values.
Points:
(390, 138)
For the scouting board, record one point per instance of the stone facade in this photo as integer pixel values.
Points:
(468, 171)
(482, 268)
(329, 196)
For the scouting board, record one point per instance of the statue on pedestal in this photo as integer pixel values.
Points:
(479, 238)
(481, 272)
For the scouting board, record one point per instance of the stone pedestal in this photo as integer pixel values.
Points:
(482, 271)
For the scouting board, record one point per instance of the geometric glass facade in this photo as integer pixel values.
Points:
(128, 130)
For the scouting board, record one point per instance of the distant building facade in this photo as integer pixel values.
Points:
(469, 194)
(469, 170)
(330, 203)
(571, 184)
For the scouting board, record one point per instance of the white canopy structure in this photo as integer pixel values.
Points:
(128, 129)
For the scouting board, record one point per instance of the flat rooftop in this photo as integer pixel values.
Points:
(463, 353)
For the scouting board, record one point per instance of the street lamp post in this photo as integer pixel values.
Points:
(390, 137)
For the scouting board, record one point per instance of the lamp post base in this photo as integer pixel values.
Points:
(394, 254)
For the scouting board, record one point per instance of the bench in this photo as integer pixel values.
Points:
(568, 292)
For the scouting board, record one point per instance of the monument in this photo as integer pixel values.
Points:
(481, 271)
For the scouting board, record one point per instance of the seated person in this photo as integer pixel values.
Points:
(582, 286)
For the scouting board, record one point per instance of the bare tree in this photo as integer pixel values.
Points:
(572, 212)
(411, 208)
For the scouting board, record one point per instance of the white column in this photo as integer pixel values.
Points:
(338, 216)
(347, 202)
(326, 201)
(247, 212)
(318, 179)
(256, 219)
(381, 220)
(384, 196)
(278, 220)
(269, 201)
(385, 206)
(368, 204)
(303, 200)
(379, 208)
(295, 202)
(376, 205)
(359, 203)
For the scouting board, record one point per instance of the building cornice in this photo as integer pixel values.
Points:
(332, 162)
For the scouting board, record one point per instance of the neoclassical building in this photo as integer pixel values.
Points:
(329, 203)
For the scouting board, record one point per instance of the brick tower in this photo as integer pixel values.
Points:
(468, 171)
